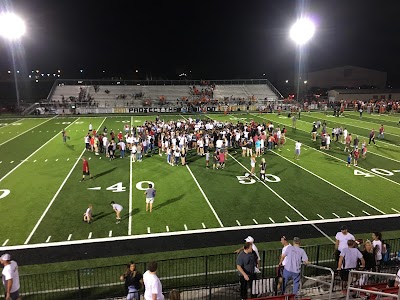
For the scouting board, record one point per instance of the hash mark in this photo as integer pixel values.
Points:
(204, 225)
(237, 222)
(48, 239)
(110, 233)
(396, 210)
(255, 221)
(5, 242)
(90, 235)
(321, 216)
(271, 220)
(367, 213)
(351, 214)
(148, 229)
(167, 228)
(336, 215)
(184, 225)
(287, 218)
(11, 162)
(69, 237)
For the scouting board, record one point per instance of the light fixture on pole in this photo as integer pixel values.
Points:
(12, 28)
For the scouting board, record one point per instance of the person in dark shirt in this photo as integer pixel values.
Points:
(133, 281)
(245, 264)
(369, 257)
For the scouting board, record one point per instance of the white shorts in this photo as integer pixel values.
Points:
(149, 200)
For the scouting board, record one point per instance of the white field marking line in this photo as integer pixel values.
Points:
(69, 237)
(323, 233)
(255, 221)
(204, 225)
(110, 233)
(205, 197)
(384, 156)
(19, 120)
(322, 218)
(197, 231)
(148, 230)
(52, 200)
(185, 226)
(90, 235)
(335, 186)
(395, 210)
(346, 162)
(237, 222)
(26, 131)
(273, 222)
(5, 242)
(37, 150)
(367, 213)
(11, 162)
(48, 239)
(287, 218)
(276, 194)
(167, 228)
(351, 214)
(130, 190)
(336, 215)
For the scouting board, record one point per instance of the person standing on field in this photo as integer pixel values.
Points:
(10, 277)
(150, 195)
(85, 169)
(297, 148)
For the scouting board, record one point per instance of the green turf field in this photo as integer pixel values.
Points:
(43, 200)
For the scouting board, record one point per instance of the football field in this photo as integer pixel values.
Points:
(43, 201)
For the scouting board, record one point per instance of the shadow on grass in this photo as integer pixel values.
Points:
(170, 201)
(70, 147)
(105, 172)
(134, 212)
(101, 215)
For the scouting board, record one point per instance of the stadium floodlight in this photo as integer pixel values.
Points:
(12, 27)
(302, 31)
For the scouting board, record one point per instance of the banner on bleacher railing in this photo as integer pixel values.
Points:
(145, 110)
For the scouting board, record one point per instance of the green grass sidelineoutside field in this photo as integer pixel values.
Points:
(44, 200)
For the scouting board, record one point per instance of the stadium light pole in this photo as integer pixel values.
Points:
(12, 28)
(301, 33)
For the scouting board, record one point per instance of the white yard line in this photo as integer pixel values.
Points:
(130, 190)
(19, 120)
(205, 197)
(52, 200)
(196, 231)
(276, 194)
(327, 154)
(16, 167)
(330, 183)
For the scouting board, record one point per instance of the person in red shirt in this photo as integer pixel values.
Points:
(120, 136)
(85, 169)
(221, 160)
(356, 155)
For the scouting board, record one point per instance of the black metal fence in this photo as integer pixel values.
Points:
(203, 272)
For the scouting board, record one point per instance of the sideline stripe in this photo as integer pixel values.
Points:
(205, 197)
(52, 200)
(35, 152)
(210, 230)
(130, 189)
(335, 186)
(276, 194)
(26, 130)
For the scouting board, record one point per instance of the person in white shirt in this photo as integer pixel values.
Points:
(297, 147)
(341, 240)
(377, 244)
(153, 287)
(122, 148)
(87, 216)
(117, 208)
(10, 277)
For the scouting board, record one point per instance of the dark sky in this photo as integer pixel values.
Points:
(216, 39)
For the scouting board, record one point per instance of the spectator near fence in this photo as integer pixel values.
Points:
(348, 260)
(133, 281)
(10, 277)
(153, 287)
(245, 264)
(341, 240)
(295, 257)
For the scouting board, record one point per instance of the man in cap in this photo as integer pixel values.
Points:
(245, 264)
(250, 240)
(341, 240)
(295, 257)
(10, 277)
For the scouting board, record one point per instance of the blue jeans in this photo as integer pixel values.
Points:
(133, 293)
(296, 280)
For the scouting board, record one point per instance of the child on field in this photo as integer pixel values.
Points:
(364, 149)
(349, 160)
(207, 158)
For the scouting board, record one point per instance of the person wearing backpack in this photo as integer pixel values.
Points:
(150, 195)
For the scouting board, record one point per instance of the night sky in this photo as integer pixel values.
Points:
(212, 39)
